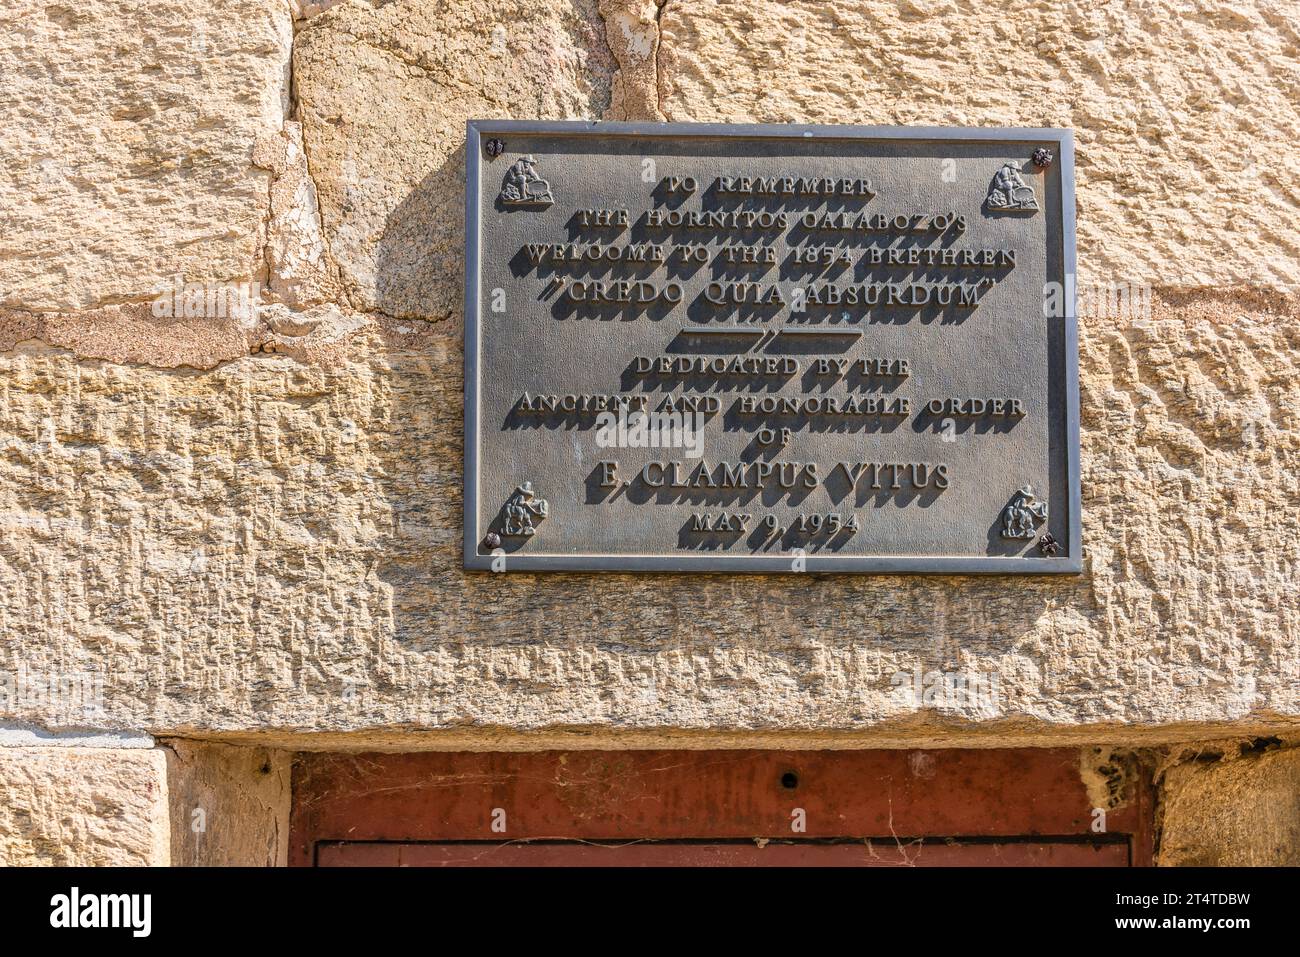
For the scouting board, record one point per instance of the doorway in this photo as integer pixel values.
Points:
(1025, 807)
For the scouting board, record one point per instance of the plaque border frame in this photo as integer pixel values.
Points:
(1070, 562)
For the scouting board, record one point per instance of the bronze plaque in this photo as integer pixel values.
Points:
(770, 348)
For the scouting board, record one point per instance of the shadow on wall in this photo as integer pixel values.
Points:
(419, 264)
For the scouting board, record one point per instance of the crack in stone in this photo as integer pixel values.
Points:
(658, 64)
(635, 42)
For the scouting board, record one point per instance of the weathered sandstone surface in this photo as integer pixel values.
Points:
(82, 807)
(255, 526)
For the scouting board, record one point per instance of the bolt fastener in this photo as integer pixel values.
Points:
(493, 540)
(1042, 157)
(1048, 545)
(494, 148)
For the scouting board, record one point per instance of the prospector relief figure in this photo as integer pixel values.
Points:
(1022, 514)
(523, 187)
(1010, 191)
(521, 508)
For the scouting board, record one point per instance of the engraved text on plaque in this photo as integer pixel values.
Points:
(770, 348)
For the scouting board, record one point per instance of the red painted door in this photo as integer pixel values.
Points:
(712, 808)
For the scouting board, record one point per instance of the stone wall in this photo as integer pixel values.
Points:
(247, 526)
(227, 806)
(1232, 804)
(251, 524)
(83, 806)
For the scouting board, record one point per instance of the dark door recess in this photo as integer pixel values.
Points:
(749, 808)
